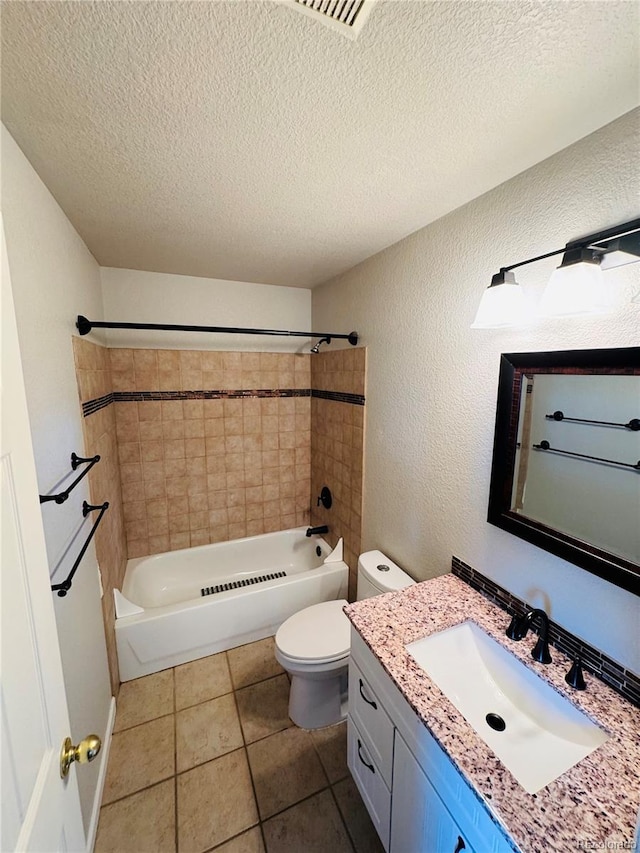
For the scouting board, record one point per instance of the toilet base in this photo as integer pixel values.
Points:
(314, 704)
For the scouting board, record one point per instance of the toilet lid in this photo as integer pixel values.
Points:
(320, 633)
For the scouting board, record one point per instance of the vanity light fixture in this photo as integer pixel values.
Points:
(502, 303)
(577, 286)
(621, 251)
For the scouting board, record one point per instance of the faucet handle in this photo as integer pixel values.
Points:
(540, 651)
(514, 631)
(574, 677)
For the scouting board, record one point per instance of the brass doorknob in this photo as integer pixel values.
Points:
(84, 752)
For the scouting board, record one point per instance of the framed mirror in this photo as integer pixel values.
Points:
(566, 457)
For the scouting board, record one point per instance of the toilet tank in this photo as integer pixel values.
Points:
(378, 574)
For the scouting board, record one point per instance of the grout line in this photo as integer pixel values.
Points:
(297, 803)
(317, 751)
(175, 757)
(344, 822)
(264, 837)
(246, 755)
(244, 739)
(137, 791)
(271, 734)
(204, 701)
(144, 723)
(232, 838)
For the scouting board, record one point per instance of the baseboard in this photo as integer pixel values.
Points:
(106, 746)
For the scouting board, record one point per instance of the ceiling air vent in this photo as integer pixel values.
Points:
(345, 16)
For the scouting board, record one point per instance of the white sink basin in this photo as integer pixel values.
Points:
(544, 734)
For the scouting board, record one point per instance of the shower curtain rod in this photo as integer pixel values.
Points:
(84, 326)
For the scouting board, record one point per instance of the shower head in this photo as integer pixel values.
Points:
(316, 347)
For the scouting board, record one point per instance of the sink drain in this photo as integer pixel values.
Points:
(496, 722)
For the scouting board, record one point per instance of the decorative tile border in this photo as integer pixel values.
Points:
(92, 406)
(624, 682)
(339, 397)
(143, 396)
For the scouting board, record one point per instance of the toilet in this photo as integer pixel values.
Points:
(313, 646)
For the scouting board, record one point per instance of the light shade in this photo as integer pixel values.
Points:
(576, 287)
(502, 304)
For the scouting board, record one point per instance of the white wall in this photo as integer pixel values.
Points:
(133, 296)
(54, 278)
(432, 381)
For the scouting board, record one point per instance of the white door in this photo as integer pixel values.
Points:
(40, 811)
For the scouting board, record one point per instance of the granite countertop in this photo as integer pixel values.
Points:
(595, 801)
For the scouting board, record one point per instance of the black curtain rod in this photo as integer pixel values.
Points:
(84, 326)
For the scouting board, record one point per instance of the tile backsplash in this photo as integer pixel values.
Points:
(594, 661)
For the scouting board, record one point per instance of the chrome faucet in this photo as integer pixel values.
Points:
(519, 627)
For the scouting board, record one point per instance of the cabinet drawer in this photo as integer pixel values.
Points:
(367, 712)
(375, 794)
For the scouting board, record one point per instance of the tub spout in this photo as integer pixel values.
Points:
(311, 531)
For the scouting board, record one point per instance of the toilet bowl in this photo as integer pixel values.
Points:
(313, 646)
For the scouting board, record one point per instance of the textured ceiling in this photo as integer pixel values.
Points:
(241, 140)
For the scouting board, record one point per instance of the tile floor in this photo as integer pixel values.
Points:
(204, 757)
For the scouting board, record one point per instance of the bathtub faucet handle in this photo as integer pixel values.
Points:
(312, 531)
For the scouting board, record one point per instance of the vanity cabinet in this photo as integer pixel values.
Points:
(417, 799)
(421, 821)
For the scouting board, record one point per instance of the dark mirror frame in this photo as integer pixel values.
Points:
(623, 361)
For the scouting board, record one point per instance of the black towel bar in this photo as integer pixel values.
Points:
(61, 497)
(633, 424)
(63, 588)
(544, 445)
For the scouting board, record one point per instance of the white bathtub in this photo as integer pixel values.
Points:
(163, 619)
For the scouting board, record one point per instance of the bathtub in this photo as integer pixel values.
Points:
(183, 605)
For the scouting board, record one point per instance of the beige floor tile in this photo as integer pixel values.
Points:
(253, 662)
(207, 731)
(140, 757)
(215, 802)
(264, 708)
(142, 823)
(202, 679)
(144, 699)
(285, 769)
(313, 826)
(331, 744)
(248, 842)
(363, 834)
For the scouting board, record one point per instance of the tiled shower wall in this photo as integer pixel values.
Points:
(99, 426)
(182, 466)
(200, 466)
(337, 442)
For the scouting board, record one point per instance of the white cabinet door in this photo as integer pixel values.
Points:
(420, 823)
(40, 811)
